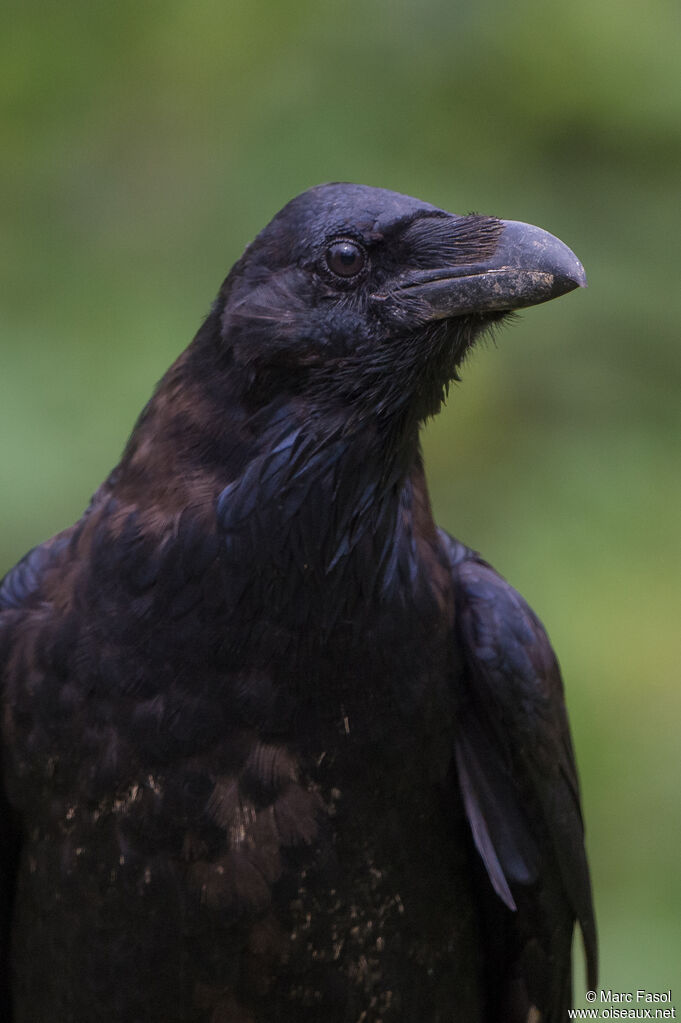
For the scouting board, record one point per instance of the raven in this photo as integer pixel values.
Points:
(275, 746)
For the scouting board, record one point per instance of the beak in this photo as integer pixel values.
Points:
(529, 266)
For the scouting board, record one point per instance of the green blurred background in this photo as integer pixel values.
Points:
(144, 144)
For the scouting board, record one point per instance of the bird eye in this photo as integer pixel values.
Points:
(345, 258)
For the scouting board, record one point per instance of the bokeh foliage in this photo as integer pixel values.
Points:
(143, 144)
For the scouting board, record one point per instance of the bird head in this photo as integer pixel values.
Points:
(365, 301)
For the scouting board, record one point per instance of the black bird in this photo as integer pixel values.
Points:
(275, 746)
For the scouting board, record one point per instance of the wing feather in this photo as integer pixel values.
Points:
(20, 589)
(518, 780)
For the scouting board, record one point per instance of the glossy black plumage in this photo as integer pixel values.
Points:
(276, 748)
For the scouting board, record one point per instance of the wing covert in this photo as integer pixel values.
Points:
(22, 583)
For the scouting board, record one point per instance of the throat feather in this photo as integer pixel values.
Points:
(322, 524)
